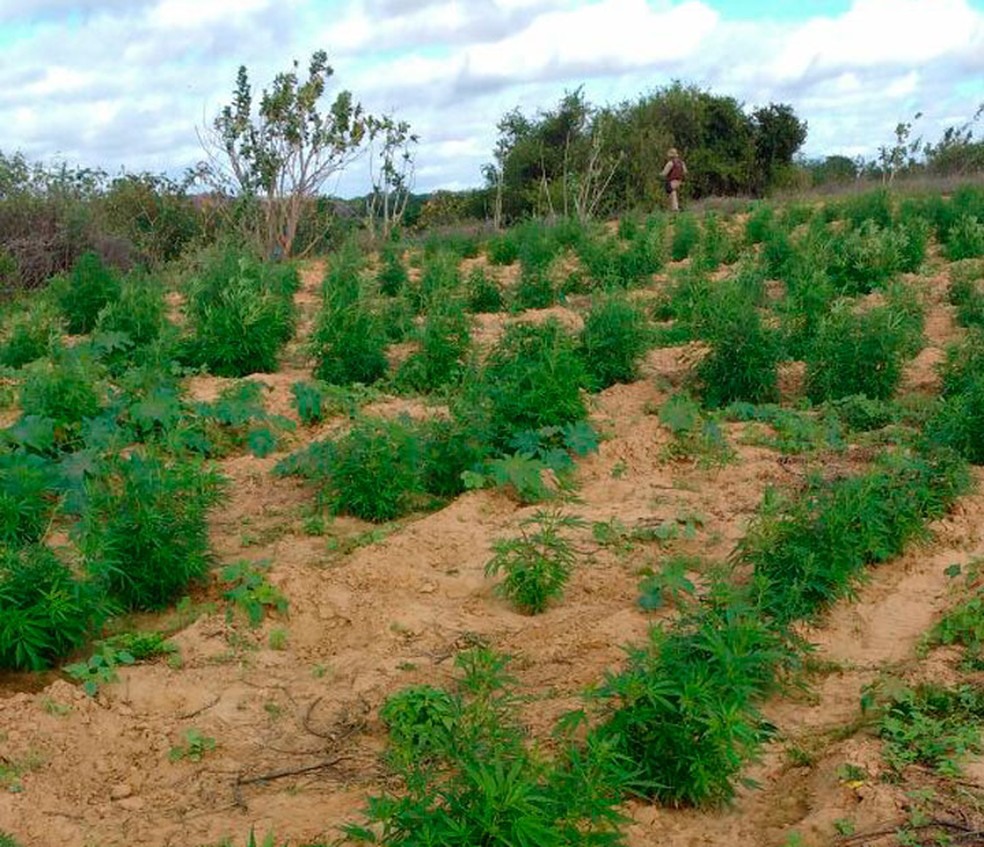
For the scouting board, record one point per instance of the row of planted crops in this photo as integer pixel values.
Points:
(107, 470)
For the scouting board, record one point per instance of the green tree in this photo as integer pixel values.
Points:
(276, 158)
(778, 134)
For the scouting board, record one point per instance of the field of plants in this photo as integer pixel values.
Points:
(664, 531)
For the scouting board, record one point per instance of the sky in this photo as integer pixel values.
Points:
(130, 83)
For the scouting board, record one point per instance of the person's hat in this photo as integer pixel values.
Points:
(673, 153)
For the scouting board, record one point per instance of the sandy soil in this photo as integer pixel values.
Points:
(292, 704)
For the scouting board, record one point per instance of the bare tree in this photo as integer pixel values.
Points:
(276, 160)
(391, 169)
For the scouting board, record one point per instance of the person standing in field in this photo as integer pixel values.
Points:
(674, 172)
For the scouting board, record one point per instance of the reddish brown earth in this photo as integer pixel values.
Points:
(394, 609)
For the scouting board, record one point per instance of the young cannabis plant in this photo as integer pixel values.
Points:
(539, 563)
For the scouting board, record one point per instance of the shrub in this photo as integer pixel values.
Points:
(85, 291)
(809, 551)
(743, 357)
(484, 294)
(468, 776)
(614, 337)
(535, 289)
(349, 340)
(139, 312)
(26, 498)
(30, 334)
(392, 276)
(857, 353)
(45, 612)
(445, 339)
(759, 223)
(966, 292)
(965, 239)
(308, 401)
(241, 314)
(538, 564)
(533, 378)
(144, 531)
(958, 422)
(686, 236)
(862, 258)
(683, 711)
(373, 471)
(64, 390)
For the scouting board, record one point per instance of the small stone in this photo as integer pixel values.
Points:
(428, 588)
(121, 791)
(132, 804)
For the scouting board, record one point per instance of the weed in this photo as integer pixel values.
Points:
(45, 611)
(309, 402)
(469, 777)
(85, 291)
(445, 339)
(100, 668)
(686, 236)
(277, 639)
(241, 313)
(538, 563)
(613, 339)
(247, 589)
(64, 390)
(965, 239)
(392, 276)
(694, 436)
(194, 747)
(143, 531)
(484, 294)
(671, 583)
(139, 312)
(30, 334)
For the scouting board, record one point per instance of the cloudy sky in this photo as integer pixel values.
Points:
(126, 83)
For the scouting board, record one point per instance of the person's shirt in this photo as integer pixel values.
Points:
(668, 168)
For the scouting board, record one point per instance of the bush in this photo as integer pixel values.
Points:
(144, 531)
(535, 289)
(614, 337)
(538, 564)
(469, 777)
(683, 712)
(862, 258)
(373, 471)
(64, 390)
(857, 353)
(445, 339)
(532, 379)
(140, 311)
(392, 276)
(484, 294)
(85, 291)
(241, 314)
(30, 334)
(27, 498)
(686, 236)
(349, 339)
(966, 292)
(809, 551)
(45, 612)
(965, 239)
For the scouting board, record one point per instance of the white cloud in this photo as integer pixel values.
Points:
(126, 82)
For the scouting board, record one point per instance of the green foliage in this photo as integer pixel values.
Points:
(45, 611)
(933, 726)
(349, 340)
(100, 668)
(744, 354)
(958, 422)
(858, 352)
(533, 378)
(144, 531)
(759, 223)
(64, 390)
(27, 497)
(309, 401)
(392, 276)
(963, 625)
(861, 413)
(809, 551)
(241, 314)
(29, 334)
(373, 472)
(966, 292)
(484, 294)
(613, 339)
(235, 419)
(538, 563)
(194, 747)
(694, 436)
(445, 340)
(965, 239)
(683, 710)
(85, 291)
(670, 583)
(139, 311)
(468, 776)
(535, 288)
(686, 236)
(866, 256)
(246, 588)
